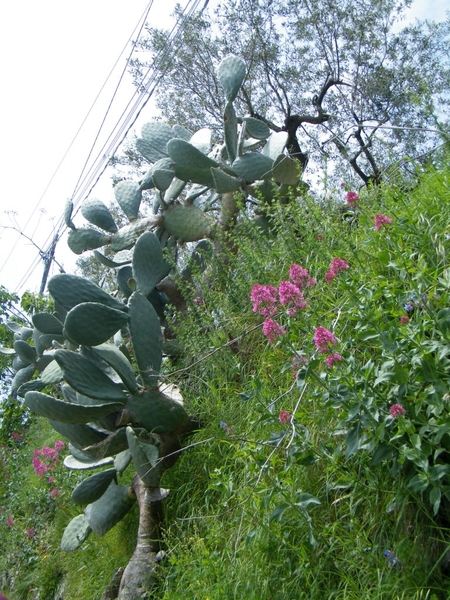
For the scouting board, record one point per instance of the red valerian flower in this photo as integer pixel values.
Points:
(324, 339)
(397, 410)
(284, 417)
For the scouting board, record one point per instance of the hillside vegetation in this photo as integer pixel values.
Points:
(322, 468)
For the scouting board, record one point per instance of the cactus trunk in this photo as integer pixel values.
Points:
(139, 574)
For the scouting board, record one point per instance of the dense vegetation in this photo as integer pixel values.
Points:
(321, 467)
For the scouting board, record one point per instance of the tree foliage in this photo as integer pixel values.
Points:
(347, 82)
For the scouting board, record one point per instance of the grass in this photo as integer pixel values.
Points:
(258, 508)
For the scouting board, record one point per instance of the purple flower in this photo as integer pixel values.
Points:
(272, 330)
(352, 198)
(291, 296)
(264, 298)
(300, 277)
(324, 340)
(59, 445)
(339, 264)
(31, 532)
(381, 220)
(284, 417)
(333, 358)
(397, 410)
(53, 493)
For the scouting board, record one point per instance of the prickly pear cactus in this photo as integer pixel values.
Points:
(190, 184)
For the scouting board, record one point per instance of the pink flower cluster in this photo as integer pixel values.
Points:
(337, 265)
(352, 198)
(397, 410)
(381, 220)
(289, 294)
(46, 459)
(324, 341)
(284, 417)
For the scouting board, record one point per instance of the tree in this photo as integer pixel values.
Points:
(340, 77)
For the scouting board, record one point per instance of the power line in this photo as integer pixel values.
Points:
(144, 92)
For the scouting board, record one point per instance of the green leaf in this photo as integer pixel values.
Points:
(286, 170)
(352, 439)
(93, 323)
(304, 500)
(256, 128)
(129, 195)
(149, 266)
(97, 213)
(435, 499)
(116, 359)
(92, 488)
(145, 330)
(230, 131)
(65, 412)
(278, 512)
(418, 483)
(252, 166)
(75, 533)
(81, 374)
(382, 453)
(70, 290)
(231, 74)
(108, 510)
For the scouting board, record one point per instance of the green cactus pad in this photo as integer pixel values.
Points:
(252, 166)
(52, 374)
(75, 533)
(40, 344)
(145, 459)
(107, 262)
(115, 442)
(174, 190)
(202, 140)
(90, 489)
(230, 129)
(68, 210)
(4, 350)
(127, 236)
(122, 460)
(129, 195)
(157, 412)
(82, 239)
(72, 463)
(20, 378)
(93, 323)
(86, 378)
(145, 148)
(256, 128)
(65, 412)
(116, 359)
(96, 212)
(162, 179)
(25, 352)
(145, 330)
(188, 156)
(194, 175)
(286, 170)
(187, 223)
(70, 290)
(148, 263)
(81, 436)
(158, 135)
(224, 183)
(231, 74)
(34, 385)
(47, 323)
(108, 510)
(182, 132)
(275, 145)
(146, 183)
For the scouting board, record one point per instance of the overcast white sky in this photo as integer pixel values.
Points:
(55, 56)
